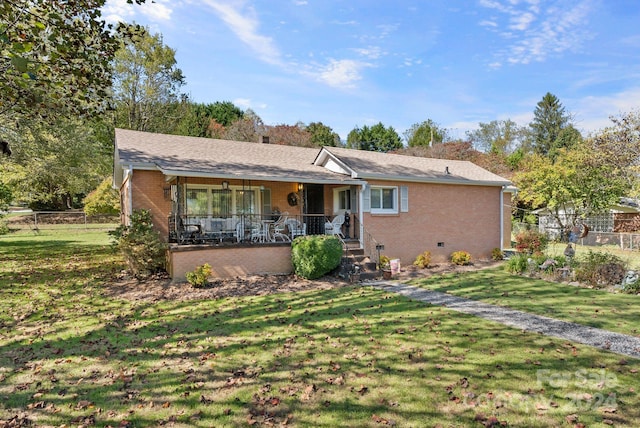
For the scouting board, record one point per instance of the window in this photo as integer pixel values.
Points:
(216, 202)
(197, 202)
(384, 200)
(341, 200)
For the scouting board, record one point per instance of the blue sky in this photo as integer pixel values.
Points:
(357, 62)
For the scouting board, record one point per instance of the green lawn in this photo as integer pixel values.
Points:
(353, 356)
(595, 308)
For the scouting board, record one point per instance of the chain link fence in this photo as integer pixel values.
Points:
(595, 237)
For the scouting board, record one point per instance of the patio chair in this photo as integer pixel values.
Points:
(280, 228)
(244, 229)
(188, 232)
(295, 228)
(334, 227)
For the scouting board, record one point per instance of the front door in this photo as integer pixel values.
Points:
(314, 208)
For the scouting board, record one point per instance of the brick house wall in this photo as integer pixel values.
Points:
(457, 216)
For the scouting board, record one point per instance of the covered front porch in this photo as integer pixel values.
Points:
(245, 227)
(232, 212)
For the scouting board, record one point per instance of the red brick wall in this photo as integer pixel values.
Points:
(148, 193)
(461, 217)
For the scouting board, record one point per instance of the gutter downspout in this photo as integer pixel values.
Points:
(502, 218)
(129, 190)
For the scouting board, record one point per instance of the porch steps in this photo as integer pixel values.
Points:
(355, 260)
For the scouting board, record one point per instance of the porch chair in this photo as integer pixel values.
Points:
(245, 227)
(334, 227)
(295, 227)
(188, 232)
(280, 228)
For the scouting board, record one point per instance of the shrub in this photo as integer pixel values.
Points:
(531, 241)
(385, 262)
(4, 227)
(198, 278)
(600, 269)
(315, 255)
(518, 264)
(103, 200)
(140, 244)
(423, 260)
(460, 258)
(497, 254)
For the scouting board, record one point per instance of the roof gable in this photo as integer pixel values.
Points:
(365, 165)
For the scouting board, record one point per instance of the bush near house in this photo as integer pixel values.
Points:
(141, 245)
(423, 260)
(200, 276)
(460, 258)
(315, 255)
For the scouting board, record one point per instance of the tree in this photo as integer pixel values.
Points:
(55, 58)
(323, 135)
(247, 128)
(425, 134)
(619, 146)
(289, 135)
(376, 138)
(146, 85)
(53, 167)
(550, 119)
(577, 183)
(498, 136)
(103, 200)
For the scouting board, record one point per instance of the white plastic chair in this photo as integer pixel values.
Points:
(295, 227)
(334, 227)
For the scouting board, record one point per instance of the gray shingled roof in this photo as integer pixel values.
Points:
(375, 165)
(207, 157)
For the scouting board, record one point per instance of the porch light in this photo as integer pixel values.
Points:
(300, 187)
(225, 185)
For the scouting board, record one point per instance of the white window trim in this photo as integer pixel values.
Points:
(395, 208)
(336, 200)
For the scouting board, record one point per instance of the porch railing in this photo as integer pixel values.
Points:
(372, 248)
(243, 228)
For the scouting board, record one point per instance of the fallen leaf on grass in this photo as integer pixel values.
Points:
(380, 420)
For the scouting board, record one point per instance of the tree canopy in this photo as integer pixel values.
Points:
(498, 136)
(147, 84)
(377, 138)
(55, 58)
(425, 134)
(551, 127)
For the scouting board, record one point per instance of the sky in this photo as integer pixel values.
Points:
(350, 63)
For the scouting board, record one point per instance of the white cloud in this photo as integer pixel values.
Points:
(115, 11)
(243, 21)
(246, 103)
(593, 112)
(371, 52)
(341, 73)
(535, 34)
(488, 23)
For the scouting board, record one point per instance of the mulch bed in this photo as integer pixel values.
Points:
(160, 288)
